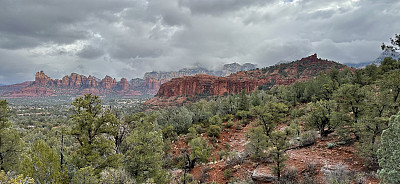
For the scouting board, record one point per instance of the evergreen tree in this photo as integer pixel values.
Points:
(86, 175)
(43, 164)
(200, 149)
(92, 127)
(243, 101)
(389, 152)
(258, 143)
(320, 116)
(279, 144)
(144, 154)
(269, 115)
(10, 142)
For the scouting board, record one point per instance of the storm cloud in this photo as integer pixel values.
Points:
(125, 38)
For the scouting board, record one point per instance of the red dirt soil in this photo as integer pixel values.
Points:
(298, 158)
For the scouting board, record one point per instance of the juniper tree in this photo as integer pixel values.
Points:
(92, 128)
(389, 152)
(10, 142)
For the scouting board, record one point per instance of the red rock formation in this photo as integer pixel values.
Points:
(42, 79)
(65, 81)
(282, 74)
(123, 84)
(152, 84)
(206, 84)
(72, 85)
(91, 82)
(76, 80)
(108, 82)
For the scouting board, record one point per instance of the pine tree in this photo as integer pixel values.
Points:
(278, 140)
(92, 127)
(258, 143)
(144, 154)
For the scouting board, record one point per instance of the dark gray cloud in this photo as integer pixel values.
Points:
(125, 38)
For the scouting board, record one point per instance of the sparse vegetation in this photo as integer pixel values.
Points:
(88, 141)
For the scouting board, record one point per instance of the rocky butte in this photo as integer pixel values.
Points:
(282, 74)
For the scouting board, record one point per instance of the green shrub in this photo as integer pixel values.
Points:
(238, 126)
(289, 176)
(189, 179)
(229, 124)
(228, 174)
(227, 117)
(307, 138)
(331, 145)
(242, 114)
(215, 120)
(222, 154)
(214, 131)
(226, 146)
(243, 123)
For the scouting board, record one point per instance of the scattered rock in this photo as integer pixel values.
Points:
(262, 174)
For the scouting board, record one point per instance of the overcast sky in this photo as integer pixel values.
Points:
(125, 38)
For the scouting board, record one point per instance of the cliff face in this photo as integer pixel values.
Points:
(282, 74)
(154, 80)
(206, 84)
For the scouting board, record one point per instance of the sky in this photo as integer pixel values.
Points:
(126, 38)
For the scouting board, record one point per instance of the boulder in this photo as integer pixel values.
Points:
(262, 174)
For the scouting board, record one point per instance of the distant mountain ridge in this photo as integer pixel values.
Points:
(386, 53)
(76, 84)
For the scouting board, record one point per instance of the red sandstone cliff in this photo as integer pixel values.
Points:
(282, 74)
(206, 84)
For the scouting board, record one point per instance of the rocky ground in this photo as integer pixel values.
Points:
(321, 159)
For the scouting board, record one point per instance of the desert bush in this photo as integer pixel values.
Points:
(189, 179)
(337, 174)
(228, 174)
(229, 124)
(243, 123)
(310, 174)
(226, 146)
(204, 174)
(235, 158)
(214, 131)
(242, 114)
(311, 168)
(227, 117)
(289, 176)
(222, 154)
(331, 145)
(307, 138)
(238, 126)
